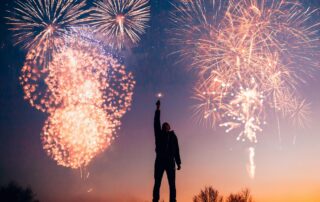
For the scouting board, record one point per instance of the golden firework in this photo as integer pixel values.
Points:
(250, 55)
(75, 134)
(85, 94)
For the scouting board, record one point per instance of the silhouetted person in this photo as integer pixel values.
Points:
(167, 150)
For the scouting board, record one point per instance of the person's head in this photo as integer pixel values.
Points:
(165, 127)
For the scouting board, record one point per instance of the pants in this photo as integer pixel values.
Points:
(159, 168)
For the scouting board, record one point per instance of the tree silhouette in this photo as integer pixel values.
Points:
(208, 195)
(15, 193)
(243, 196)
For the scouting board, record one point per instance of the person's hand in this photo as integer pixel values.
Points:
(179, 167)
(158, 104)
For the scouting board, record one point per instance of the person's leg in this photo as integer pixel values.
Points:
(158, 173)
(171, 174)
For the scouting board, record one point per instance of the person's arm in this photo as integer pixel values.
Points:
(156, 122)
(177, 153)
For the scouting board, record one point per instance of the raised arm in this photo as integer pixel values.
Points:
(156, 122)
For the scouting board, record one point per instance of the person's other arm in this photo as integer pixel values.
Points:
(177, 153)
(156, 122)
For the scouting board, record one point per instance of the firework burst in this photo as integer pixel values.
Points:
(59, 83)
(250, 56)
(121, 20)
(85, 93)
(69, 75)
(74, 135)
(258, 48)
(37, 22)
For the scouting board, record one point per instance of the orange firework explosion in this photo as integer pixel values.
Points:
(250, 55)
(72, 64)
(121, 20)
(249, 60)
(85, 91)
(74, 135)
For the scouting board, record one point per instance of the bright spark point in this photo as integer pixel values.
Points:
(159, 95)
(120, 19)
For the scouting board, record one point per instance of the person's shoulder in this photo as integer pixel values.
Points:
(173, 134)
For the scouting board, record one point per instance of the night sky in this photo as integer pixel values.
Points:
(286, 171)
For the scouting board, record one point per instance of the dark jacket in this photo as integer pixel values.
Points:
(167, 147)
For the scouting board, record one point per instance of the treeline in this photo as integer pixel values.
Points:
(13, 192)
(209, 194)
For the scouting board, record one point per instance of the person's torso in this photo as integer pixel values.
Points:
(165, 147)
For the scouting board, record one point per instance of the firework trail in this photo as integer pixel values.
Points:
(251, 56)
(251, 165)
(120, 20)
